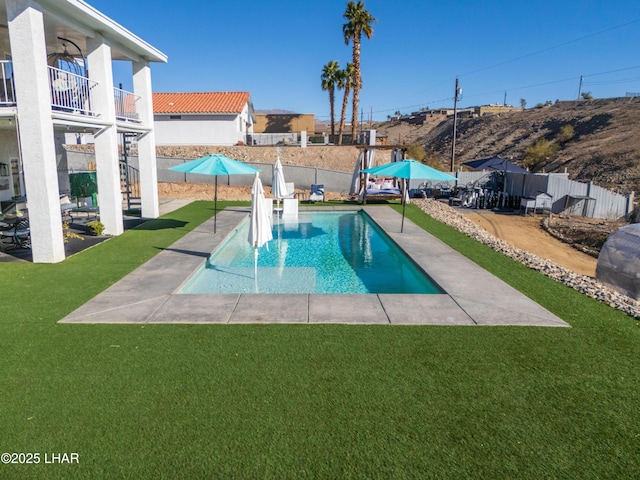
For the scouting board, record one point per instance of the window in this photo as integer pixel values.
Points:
(175, 117)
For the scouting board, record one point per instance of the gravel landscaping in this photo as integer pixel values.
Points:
(587, 285)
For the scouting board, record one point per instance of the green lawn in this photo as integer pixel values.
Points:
(317, 401)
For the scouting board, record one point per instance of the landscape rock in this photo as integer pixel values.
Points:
(587, 285)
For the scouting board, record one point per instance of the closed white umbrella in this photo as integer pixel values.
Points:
(260, 225)
(278, 187)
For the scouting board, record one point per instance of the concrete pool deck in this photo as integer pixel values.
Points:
(473, 295)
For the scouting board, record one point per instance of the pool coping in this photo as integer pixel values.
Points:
(473, 295)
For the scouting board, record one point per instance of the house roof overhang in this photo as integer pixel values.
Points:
(77, 21)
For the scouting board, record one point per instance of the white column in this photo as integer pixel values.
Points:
(106, 139)
(303, 139)
(147, 141)
(29, 55)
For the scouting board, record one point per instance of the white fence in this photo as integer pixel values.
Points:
(262, 139)
(571, 197)
(567, 196)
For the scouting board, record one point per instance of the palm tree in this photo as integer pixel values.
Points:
(329, 79)
(345, 81)
(359, 21)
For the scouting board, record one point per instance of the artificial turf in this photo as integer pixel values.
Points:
(311, 401)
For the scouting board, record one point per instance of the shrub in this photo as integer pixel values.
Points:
(539, 151)
(567, 132)
(416, 151)
(96, 227)
(67, 234)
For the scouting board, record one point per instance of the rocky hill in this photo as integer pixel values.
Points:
(604, 148)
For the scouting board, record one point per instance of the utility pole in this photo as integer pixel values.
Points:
(580, 88)
(455, 126)
(505, 99)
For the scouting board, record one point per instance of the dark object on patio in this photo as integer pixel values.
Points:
(317, 193)
(19, 234)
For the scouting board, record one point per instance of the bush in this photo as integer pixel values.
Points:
(96, 227)
(416, 151)
(67, 234)
(539, 151)
(567, 132)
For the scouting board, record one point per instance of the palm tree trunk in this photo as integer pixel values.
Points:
(354, 116)
(345, 101)
(356, 84)
(332, 101)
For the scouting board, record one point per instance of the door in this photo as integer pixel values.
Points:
(17, 178)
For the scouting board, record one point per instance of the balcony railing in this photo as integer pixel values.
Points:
(70, 92)
(7, 95)
(126, 110)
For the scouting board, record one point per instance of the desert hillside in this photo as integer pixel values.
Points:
(604, 147)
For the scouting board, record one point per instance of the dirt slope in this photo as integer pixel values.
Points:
(527, 234)
(605, 148)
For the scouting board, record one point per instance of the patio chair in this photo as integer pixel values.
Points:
(18, 234)
(291, 190)
(317, 193)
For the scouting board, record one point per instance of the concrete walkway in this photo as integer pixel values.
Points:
(473, 296)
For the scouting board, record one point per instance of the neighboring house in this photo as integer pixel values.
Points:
(59, 80)
(284, 123)
(492, 109)
(203, 118)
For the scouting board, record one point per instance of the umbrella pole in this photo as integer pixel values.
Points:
(255, 262)
(404, 203)
(215, 204)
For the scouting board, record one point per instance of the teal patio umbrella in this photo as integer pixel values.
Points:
(215, 164)
(408, 170)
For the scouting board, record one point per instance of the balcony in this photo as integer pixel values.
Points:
(7, 95)
(70, 93)
(126, 103)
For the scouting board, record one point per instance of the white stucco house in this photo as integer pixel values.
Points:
(203, 118)
(56, 79)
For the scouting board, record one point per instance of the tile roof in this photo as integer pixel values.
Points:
(200, 102)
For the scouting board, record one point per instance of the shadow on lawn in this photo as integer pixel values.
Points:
(160, 224)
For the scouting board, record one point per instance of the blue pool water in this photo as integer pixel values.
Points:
(319, 252)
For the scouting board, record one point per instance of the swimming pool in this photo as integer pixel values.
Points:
(317, 252)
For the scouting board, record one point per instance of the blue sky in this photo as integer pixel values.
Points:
(275, 49)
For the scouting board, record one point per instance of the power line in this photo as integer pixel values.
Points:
(614, 82)
(524, 87)
(569, 42)
(612, 71)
